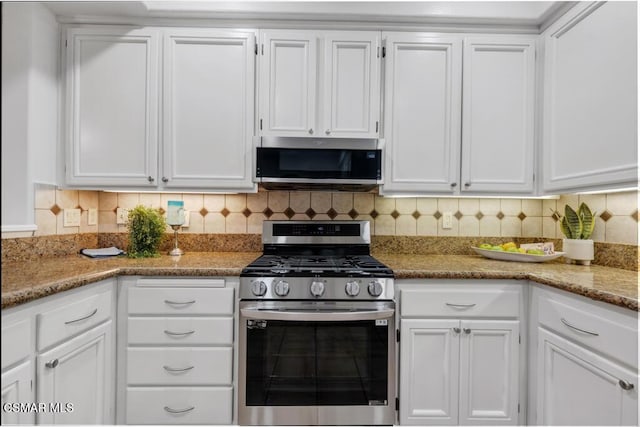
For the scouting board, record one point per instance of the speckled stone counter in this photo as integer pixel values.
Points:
(26, 281)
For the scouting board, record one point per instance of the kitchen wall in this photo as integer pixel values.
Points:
(617, 213)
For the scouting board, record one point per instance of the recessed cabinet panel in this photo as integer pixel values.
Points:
(578, 387)
(288, 83)
(422, 113)
(498, 115)
(208, 113)
(429, 355)
(79, 372)
(489, 359)
(352, 85)
(591, 98)
(17, 387)
(111, 107)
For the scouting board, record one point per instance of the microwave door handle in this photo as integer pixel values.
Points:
(316, 316)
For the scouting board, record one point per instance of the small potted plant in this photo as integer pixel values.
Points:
(146, 228)
(578, 227)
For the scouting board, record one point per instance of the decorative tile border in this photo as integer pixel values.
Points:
(616, 213)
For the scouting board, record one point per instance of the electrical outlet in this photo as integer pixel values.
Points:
(92, 217)
(187, 215)
(121, 216)
(72, 217)
(447, 220)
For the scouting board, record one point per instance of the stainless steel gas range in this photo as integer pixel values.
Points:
(317, 329)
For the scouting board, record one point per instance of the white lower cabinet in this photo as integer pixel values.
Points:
(58, 358)
(175, 346)
(17, 388)
(460, 362)
(586, 369)
(77, 375)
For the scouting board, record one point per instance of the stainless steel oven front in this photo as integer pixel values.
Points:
(317, 363)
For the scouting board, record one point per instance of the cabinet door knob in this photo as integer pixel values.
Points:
(625, 385)
(454, 184)
(150, 178)
(467, 184)
(328, 132)
(165, 179)
(54, 363)
(456, 330)
(310, 131)
(466, 330)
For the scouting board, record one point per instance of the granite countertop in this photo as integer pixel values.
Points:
(26, 281)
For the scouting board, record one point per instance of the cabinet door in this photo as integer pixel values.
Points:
(351, 94)
(578, 387)
(591, 98)
(498, 115)
(208, 109)
(422, 113)
(429, 351)
(79, 372)
(489, 372)
(17, 387)
(288, 83)
(111, 107)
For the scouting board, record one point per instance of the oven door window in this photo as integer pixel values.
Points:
(316, 363)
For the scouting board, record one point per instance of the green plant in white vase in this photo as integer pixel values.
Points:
(577, 228)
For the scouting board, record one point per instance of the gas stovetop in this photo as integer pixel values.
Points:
(316, 260)
(317, 266)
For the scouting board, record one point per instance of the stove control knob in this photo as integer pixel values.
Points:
(352, 288)
(375, 288)
(259, 288)
(282, 288)
(317, 288)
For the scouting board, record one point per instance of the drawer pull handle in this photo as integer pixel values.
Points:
(179, 411)
(179, 302)
(180, 334)
(625, 385)
(82, 318)
(170, 369)
(595, 334)
(460, 305)
(55, 362)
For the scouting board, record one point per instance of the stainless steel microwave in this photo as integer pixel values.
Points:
(336, 165)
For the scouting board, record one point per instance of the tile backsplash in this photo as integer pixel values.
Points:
(616, 213)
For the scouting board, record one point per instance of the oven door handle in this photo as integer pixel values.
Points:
(315, 316)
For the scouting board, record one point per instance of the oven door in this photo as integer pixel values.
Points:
(317, 363)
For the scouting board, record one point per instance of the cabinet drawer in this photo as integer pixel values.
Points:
(181, 330)
(450, 301)
(179, 405)
(16, 342)
(606, 332)
(179, 366)
(63, 322)
(205, 301)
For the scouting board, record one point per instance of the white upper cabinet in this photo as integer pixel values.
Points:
(498, 115)
(319, 83)
(590, 137)
(457, 129)
(422, 113)
(111, 106)
(208, 109)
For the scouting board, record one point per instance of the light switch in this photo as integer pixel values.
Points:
(447, 220)
(187, 215)
(71, 217)
(121, 216)
(92, 217)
